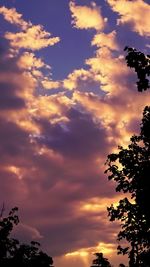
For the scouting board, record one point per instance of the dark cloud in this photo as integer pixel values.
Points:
(79, 232)
(80, 137)
(10, 82)
(133, 126)
(8, 98)
(14, 140)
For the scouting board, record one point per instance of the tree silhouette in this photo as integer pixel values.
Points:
(100, 261)
(141, 64)
(12, 253)
(130, 169)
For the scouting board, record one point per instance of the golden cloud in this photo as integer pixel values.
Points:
(49, 106)
(49, 84)
(12, 16)
(29, 61)
(106, 40)
(71, 82)
(85, 253)
(108, 69)
(31, 37)
(141, 10)
(85, 17)
(34, 38)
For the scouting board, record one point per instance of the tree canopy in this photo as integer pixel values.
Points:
(130, 169)
(14, 253)
(100, 261)
(141, 64)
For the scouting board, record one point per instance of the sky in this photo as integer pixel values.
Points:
(67, 100)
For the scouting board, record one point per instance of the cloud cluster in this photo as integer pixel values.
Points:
(32, 37)
(29, 38)
(126, 9)
(46, 157)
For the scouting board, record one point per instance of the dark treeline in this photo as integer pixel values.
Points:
(132, 177)
(15, 254)
(130, 169)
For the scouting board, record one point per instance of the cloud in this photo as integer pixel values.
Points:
(106, 40)
(33, 66)
(126, 9)
(13, 85)
(81, 13)
(66, 138)
(52, 152)
(115, 109)
(29, 61)
(108, 70)
(12, 16)
(26, 233)
(74, 78)
(51, 107)
(31, 37)
(34, 38)
(49, 84)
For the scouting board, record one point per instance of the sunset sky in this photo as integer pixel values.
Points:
(67, 100)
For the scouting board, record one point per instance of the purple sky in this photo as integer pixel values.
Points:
(67, 100)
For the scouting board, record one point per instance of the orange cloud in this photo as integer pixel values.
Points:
(73, 79)
(50, 107)
(34, 38)
(33, 67)
(141, 10)
(29, 61)
(12, 16)
(108, 69)
(31, 37)
(49, 84)
(106, 40)
(85, 17)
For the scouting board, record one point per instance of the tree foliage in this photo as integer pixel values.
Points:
(130, 169)
(13, 253)
(100, 261)
(141, 64)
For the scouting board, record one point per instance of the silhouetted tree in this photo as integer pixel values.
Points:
(100, 261)
(12, 253)
(141, 64)
(130, 169)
